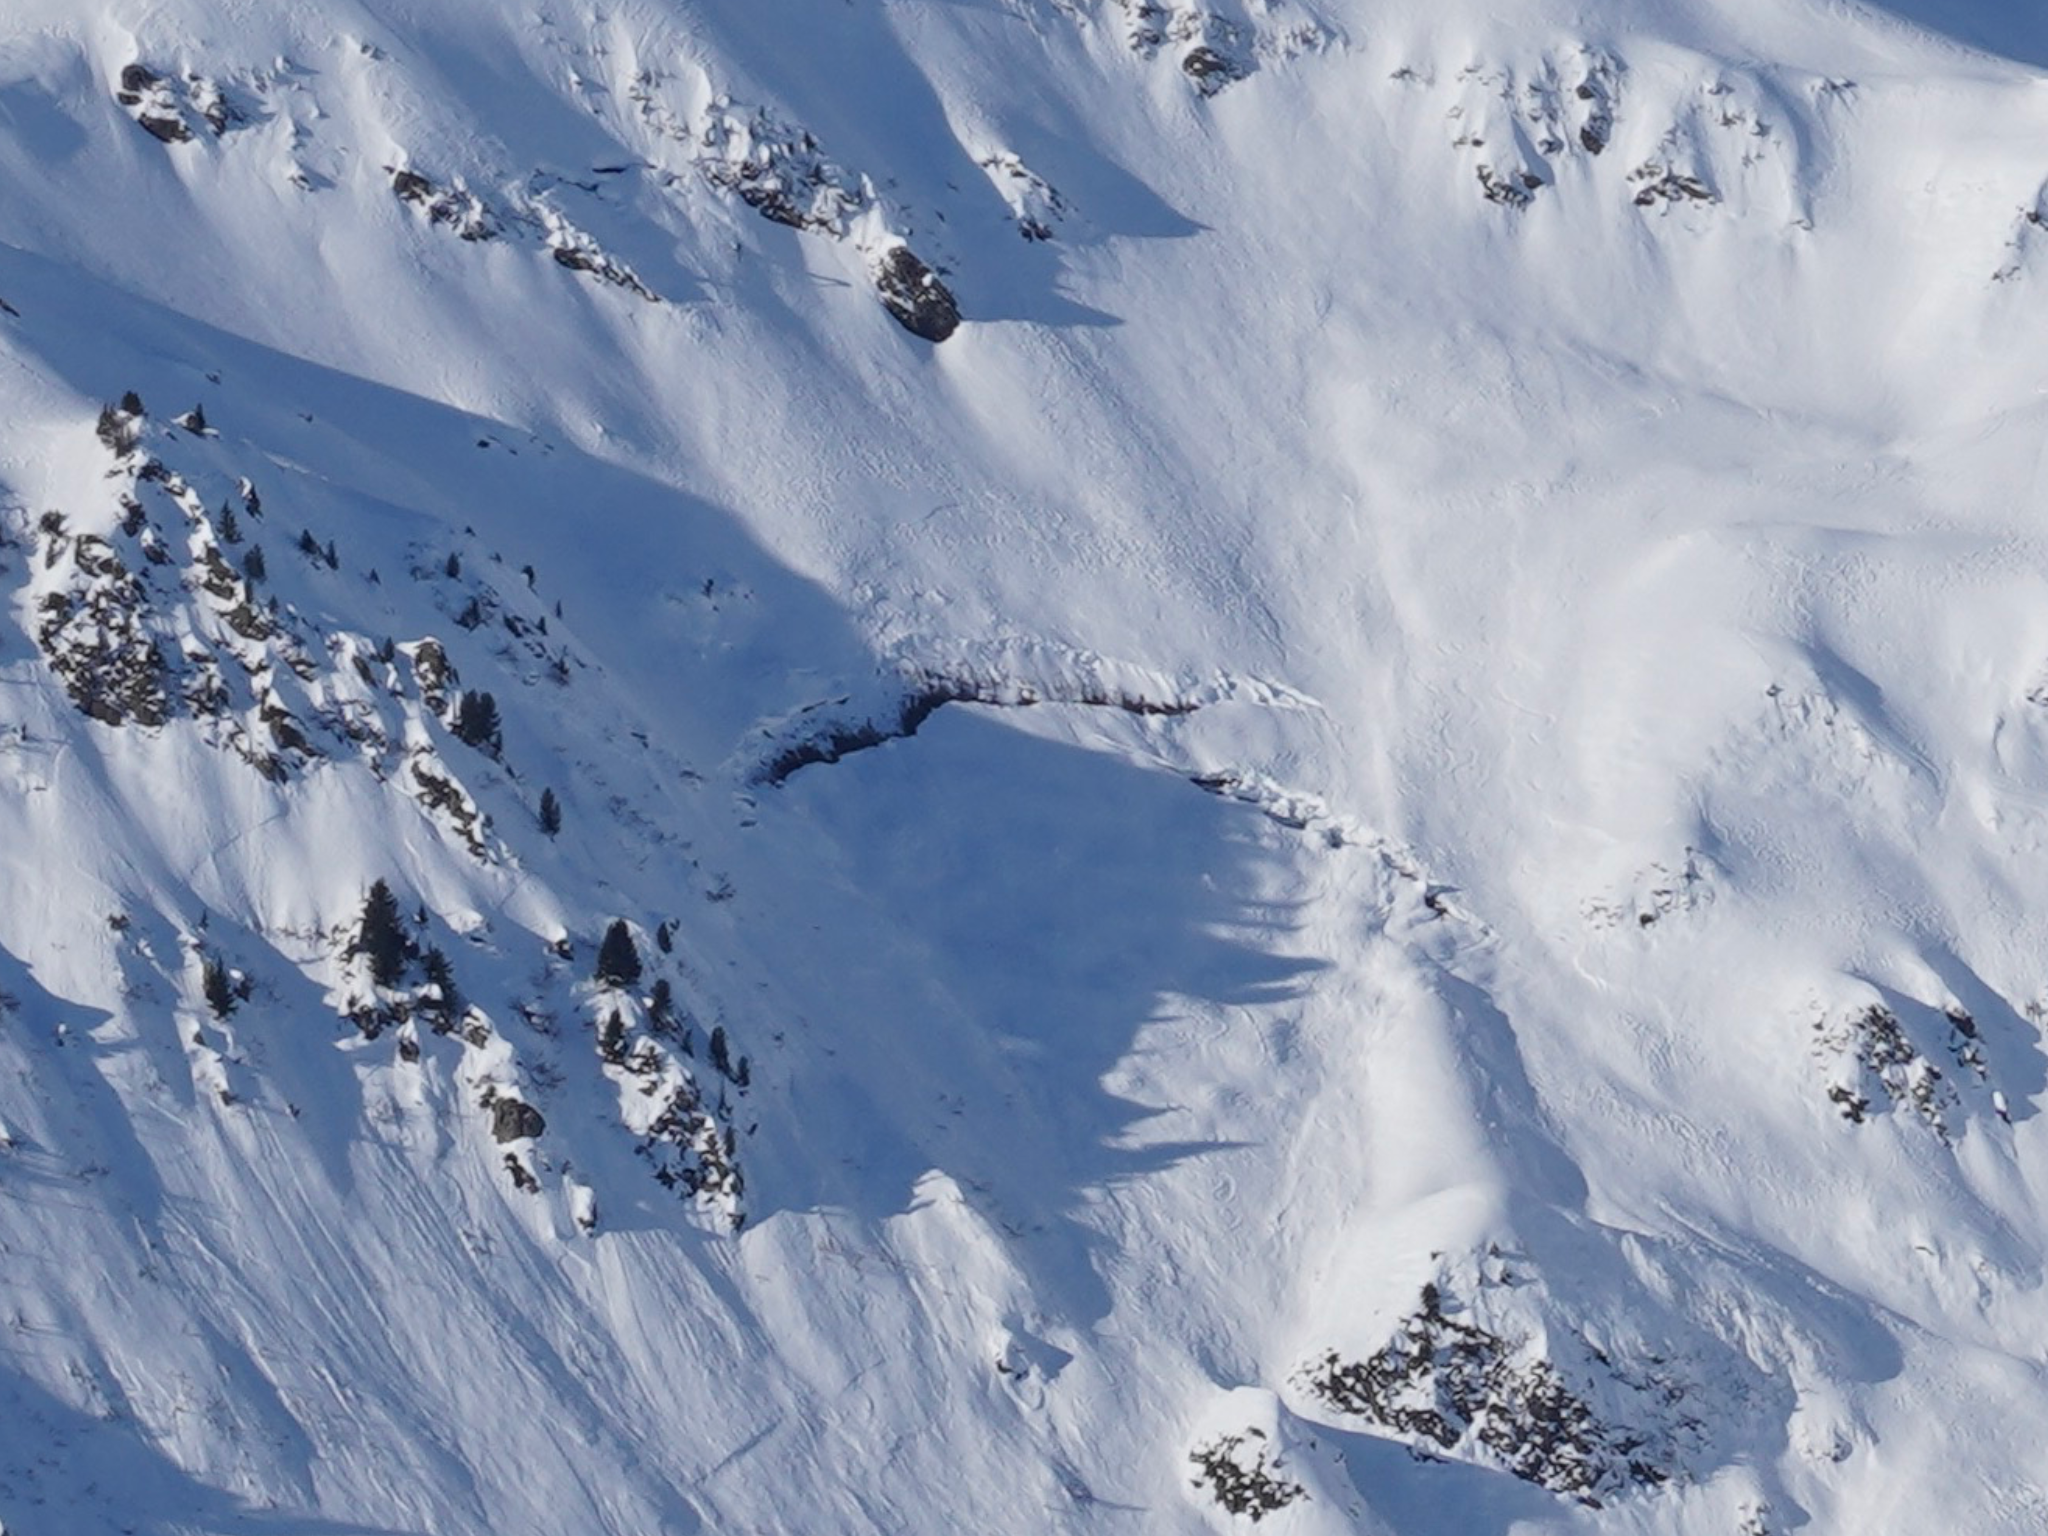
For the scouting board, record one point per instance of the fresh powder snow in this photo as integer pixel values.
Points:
(815, 766)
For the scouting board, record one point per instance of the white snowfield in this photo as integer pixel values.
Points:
(1135, 768)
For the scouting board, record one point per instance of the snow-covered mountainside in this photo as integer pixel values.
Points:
(1043, 766)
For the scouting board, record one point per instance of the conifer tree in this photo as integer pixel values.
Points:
(618, 959)
(550, 813)
(441, 975)
(381, 936)
(218, 987)
(477, 723)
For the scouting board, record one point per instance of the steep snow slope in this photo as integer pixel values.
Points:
(1364, 856)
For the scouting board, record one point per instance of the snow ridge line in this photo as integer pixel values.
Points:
(1012, 673)
(830, 739)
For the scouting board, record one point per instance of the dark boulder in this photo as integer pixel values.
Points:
(512, 1120)
(912, 292)
(1210, 70)
(135, 79)
(170, 130)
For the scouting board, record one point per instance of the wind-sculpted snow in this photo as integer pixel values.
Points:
(1003, 675)
(1074, 765)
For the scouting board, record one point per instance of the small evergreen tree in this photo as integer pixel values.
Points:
(611, 1038)
(550, 813)
(453, 568)
(721, 1052)
(253, 567)
(476, 722)
(661, 1006)
(230, 526)
(618, 959)
(665, 936)
(218, 986)
(381, 936)
(441, 975)
(131, 404)
(308, 545)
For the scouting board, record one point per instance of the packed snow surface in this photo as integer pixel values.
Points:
(1049, 766)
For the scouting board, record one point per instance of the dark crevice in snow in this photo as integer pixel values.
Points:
(831, 741)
